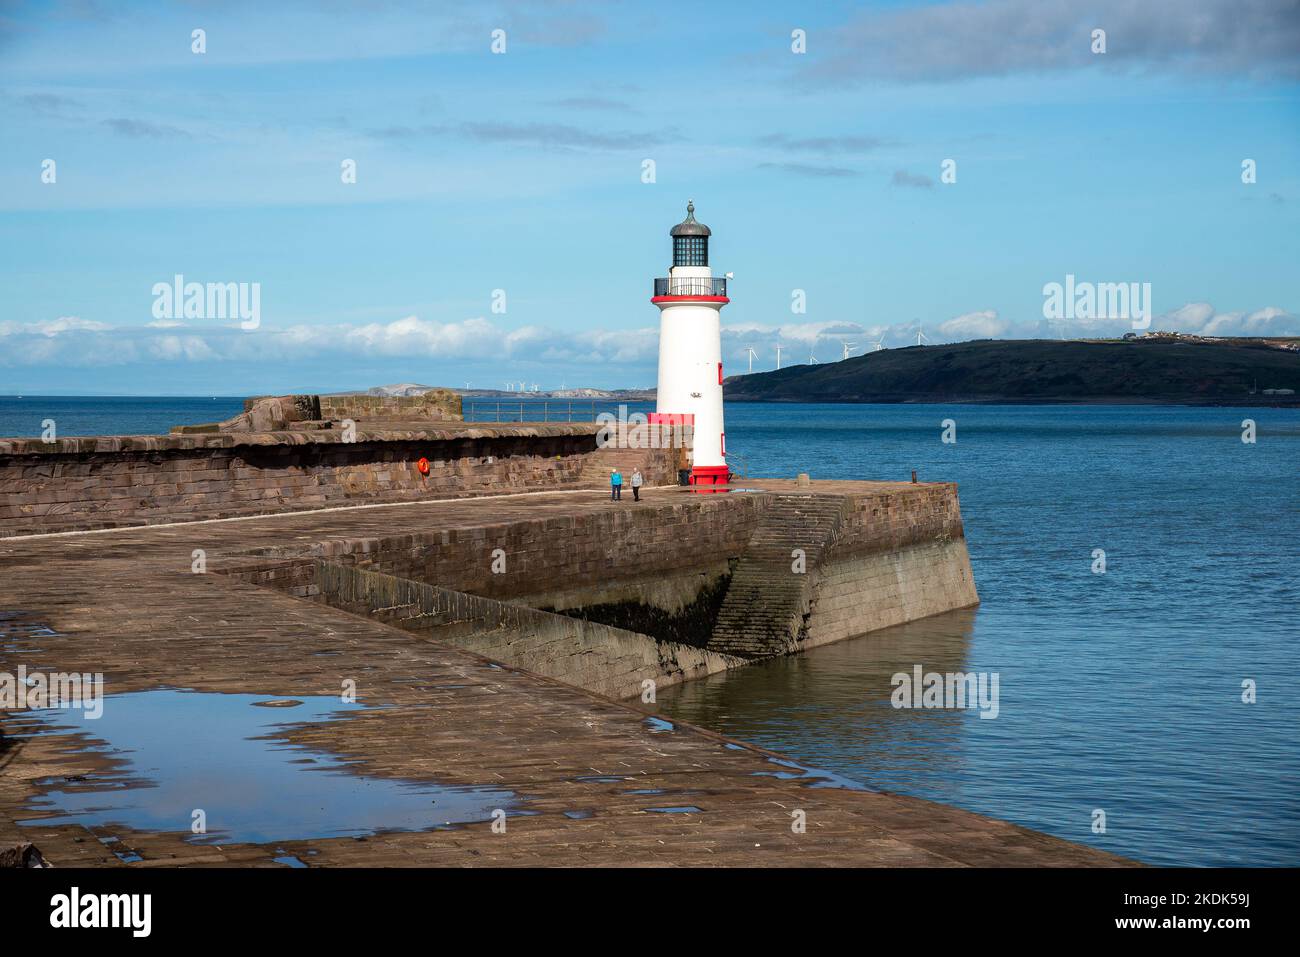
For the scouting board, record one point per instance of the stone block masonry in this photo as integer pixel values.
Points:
(863, 592)
(832, 561)
(609, 661)
(434, 404)
(875, 555)
(660, 553)
(906, 553)
(108, 482)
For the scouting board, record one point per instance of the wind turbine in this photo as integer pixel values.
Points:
(812, 359)
(778, 355)
(848, 347)
(880, 344)
(920, 336)
(752, 356)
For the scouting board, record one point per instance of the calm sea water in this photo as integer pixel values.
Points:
(1119, 692)
(153, 415)
(99, 415)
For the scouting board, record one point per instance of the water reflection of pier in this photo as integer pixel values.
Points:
(810, 704)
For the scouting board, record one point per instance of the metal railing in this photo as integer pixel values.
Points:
(690, 286)
(546, 410)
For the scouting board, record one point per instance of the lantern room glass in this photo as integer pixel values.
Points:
(691, 251)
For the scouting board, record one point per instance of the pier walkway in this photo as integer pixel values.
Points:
(590, 775)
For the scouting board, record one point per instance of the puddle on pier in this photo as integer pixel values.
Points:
(812, 777)
(177, 751)
(17, 628)
(659, 725)
(681, 809)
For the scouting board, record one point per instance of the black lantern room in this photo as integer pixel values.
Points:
(690, 240)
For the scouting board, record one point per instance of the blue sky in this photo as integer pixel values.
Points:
(522, 171)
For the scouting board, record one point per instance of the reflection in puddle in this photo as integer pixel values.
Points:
(659, 725)
(814, 777)
(683, 809)
(16, 627)
(179, 753)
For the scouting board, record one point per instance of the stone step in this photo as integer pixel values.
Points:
(762, 613)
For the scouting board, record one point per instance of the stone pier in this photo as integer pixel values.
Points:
(501, 622)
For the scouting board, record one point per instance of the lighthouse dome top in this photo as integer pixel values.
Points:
(688, 226)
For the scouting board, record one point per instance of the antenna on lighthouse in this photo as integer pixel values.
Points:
(752, 356)
(848, 347)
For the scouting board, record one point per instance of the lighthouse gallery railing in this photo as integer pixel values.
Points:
(690, 286)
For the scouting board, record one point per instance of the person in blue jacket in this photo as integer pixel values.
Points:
(615, 485)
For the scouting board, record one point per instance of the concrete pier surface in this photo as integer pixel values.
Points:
(589, 774)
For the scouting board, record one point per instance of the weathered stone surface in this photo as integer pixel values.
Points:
(609, 661)
(768, 601)
(82, 483)
(127, 603)
(435, 404)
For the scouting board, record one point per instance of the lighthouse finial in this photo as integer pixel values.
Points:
(690, 211)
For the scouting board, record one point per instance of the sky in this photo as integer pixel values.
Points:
(518, 166)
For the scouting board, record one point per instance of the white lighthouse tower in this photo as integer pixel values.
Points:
(690, 304)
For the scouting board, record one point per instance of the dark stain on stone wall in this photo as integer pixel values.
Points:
(692, 625)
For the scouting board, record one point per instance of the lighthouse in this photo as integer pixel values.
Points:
(690, 302)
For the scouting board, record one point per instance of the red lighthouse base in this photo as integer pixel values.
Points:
(710, 478)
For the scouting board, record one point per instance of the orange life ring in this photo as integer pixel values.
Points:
(423, 466)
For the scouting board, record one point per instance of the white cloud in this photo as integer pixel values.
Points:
(74, 342)
(974, 325)
(1191, 317)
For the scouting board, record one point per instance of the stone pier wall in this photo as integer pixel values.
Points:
(606, 660)
(113, 481)
(870, 590)
(899, 557)
(584, 596)
(434, 404)
(892, 519)
(660, 554)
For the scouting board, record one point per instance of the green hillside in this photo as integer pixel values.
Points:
(1041, 370)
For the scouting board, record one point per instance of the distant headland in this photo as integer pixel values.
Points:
(1158, 368)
